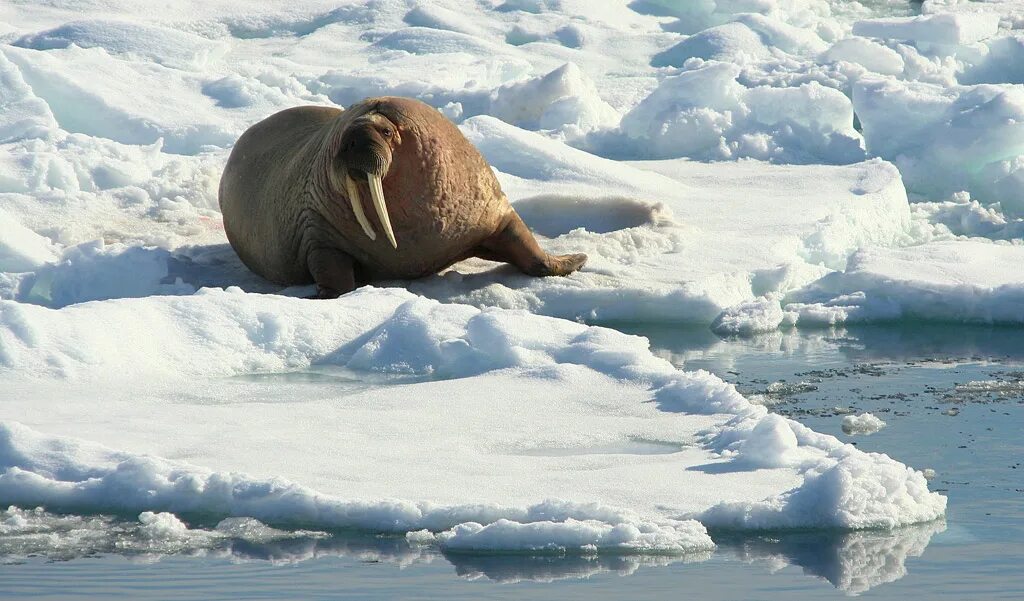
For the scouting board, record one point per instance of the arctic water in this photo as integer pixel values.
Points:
(952, 399)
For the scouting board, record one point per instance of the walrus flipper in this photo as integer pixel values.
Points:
(514, 243)
(332, 270)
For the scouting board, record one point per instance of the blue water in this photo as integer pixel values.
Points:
(918, 378)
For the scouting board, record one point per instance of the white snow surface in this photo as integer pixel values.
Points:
(741, 165)
(494, 392)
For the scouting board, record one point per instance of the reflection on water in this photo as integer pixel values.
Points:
(549, 568)
(856, 343)
(853, 562)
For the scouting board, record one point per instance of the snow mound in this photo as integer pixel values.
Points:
(705, 113)
(169, 47)
(730, 42)
(839, 495)
(553, 215)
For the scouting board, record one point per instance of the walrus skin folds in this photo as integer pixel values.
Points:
(387, 189)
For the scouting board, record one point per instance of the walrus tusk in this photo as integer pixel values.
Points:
(357, 206)
(377, 193)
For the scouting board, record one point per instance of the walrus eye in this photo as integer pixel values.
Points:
(386, 132)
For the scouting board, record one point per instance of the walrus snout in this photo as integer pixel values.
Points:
(364, 149)
(365, 152)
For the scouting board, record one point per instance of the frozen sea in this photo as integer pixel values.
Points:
(814, 209)
(952, 398)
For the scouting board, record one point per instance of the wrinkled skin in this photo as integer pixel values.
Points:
(294, 184)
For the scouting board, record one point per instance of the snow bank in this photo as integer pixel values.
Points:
(976, 282)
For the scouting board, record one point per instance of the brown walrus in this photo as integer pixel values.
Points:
(387, 189)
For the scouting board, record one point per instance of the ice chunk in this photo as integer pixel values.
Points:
(121, 109)
(554, 215)
(427, 40)
(944, 28)
(945, 140)
(866, 53)
(763, 314)
(865, 423)
(962, 281)
(586, 536)
(24, 114)
(841, 495)
(563, 97)
(1004, 63)
(94, 271)
(21, 249)
(706, 113)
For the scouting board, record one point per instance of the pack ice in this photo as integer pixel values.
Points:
(744, 166)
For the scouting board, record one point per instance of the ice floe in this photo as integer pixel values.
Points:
(358, 457)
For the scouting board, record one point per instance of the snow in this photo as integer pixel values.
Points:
(865, 423)
(348, 454)
(963, 137)
(742, 165)
(945, 28)
(587, 536)
(963, 281)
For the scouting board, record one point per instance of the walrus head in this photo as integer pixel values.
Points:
(364, 154)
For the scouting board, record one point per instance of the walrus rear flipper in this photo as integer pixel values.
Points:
(514, 243)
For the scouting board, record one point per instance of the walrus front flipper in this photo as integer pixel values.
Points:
(515, 244)
(332, 270)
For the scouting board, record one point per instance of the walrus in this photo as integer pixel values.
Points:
(386, 189)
